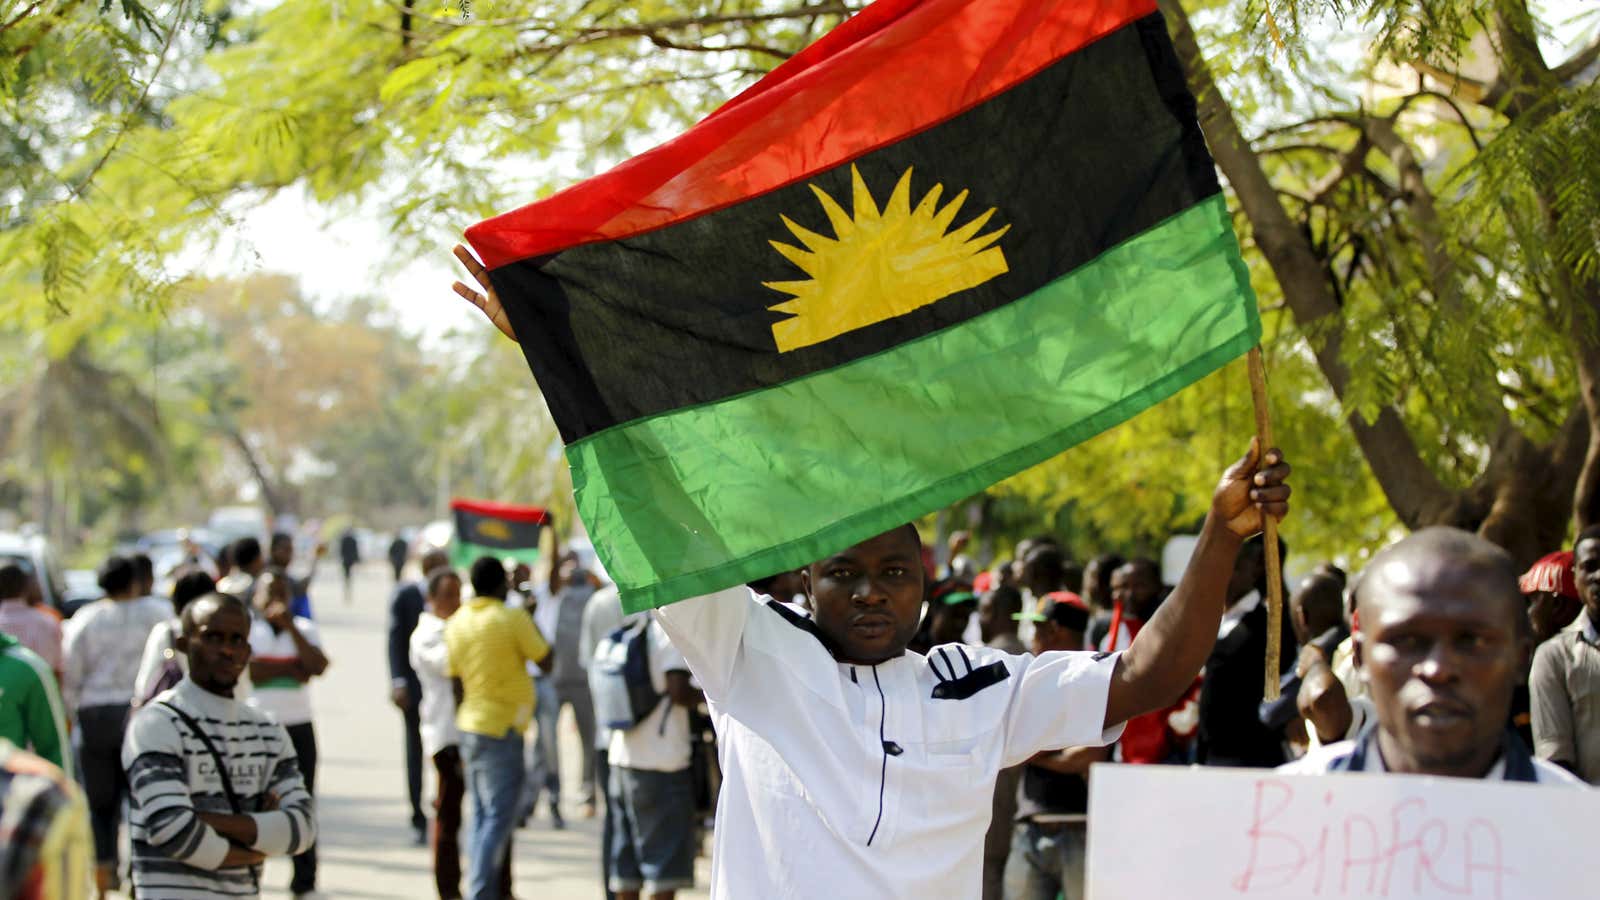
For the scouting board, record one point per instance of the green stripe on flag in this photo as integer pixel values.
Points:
(464, 553)
(703, 498)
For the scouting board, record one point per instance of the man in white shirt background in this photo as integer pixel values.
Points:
(286, 653)
(651, 819)
(853, 768)
(441, 739)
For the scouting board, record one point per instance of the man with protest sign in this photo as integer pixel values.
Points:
(1441, 635)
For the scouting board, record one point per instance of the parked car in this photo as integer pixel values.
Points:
(35, 553)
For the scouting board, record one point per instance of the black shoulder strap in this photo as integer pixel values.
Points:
(222, 766)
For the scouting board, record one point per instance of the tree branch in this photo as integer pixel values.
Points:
(1413, 490)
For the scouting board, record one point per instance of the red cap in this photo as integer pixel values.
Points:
(1553, 574)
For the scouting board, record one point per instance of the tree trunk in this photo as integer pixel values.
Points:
(269, 492)
(1524, 496)
(1413, 491)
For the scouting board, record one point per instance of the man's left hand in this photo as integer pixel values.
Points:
(1251, 488)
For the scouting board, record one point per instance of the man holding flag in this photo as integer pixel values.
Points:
(1035, 247)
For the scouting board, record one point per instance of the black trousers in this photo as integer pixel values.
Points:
(304, 738)
(414, 763)
(105, 783)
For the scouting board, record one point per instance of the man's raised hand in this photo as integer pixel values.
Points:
(1253, 485)
(488, 301)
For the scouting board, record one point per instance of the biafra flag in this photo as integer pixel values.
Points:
(944, 243)
(495, 529)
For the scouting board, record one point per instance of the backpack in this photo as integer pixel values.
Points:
(619, 677)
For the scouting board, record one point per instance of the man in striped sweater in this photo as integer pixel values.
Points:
(198, 833)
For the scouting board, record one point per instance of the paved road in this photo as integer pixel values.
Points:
(366, 848)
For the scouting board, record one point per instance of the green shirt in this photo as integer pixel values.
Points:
(31, 714)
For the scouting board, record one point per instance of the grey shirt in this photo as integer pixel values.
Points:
(1564, 689)
(570, 665)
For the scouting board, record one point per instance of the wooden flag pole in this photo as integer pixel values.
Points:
(1269, 528)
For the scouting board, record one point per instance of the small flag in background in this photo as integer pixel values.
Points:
(944, 243)
(495, 529)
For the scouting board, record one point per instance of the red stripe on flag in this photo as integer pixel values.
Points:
(897, 68)
(508, 511)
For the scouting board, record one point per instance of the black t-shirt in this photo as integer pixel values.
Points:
(1044, 791)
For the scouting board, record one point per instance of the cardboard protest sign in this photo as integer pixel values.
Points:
(1209, 834)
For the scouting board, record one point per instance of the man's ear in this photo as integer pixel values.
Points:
(180, 643)
(1357, 640)
(805, 585)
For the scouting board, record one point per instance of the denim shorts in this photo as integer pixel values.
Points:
(653, 834)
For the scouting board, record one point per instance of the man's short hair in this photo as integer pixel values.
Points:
(488, 577)
(1467, 550)
(437, 576)
(246, 551)
(222, 601)
(144, 567)
(13, 580)
(1006, 601)
(1592, 533)
(116, 575)
(1146, 566)
(281, 537)
(190, 586)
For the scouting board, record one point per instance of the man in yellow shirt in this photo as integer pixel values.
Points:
(490, 646)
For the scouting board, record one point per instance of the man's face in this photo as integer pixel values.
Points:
(447, 599)
(1440, 652)
(1246, 572)
(1048, 636)
(866, 600)
(1135, 589)
(949, 622)
(1586, 568)
(282, 552)
(218, 647)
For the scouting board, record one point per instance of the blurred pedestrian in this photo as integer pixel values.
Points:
(405, 692)
(1231, 731)
(489, 646)
(1049, 834)
(653, 833)
(1565, 681)
(19, 617)
(441, 740)
(285, 654)
(46, 848)
(31, 714)
(349, 555)
(280, 555)
(399, 552)
(103, 644)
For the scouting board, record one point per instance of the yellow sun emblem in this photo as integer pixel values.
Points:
(494, 529)
(880, 264)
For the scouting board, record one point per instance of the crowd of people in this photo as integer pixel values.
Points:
(190, 721)
(911, 717)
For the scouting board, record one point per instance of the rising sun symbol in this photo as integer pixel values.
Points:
(880, 264)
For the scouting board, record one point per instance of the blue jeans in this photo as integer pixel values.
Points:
(1047, 862)
(494, 778)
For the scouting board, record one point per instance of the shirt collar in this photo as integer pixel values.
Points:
(1590, 632)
